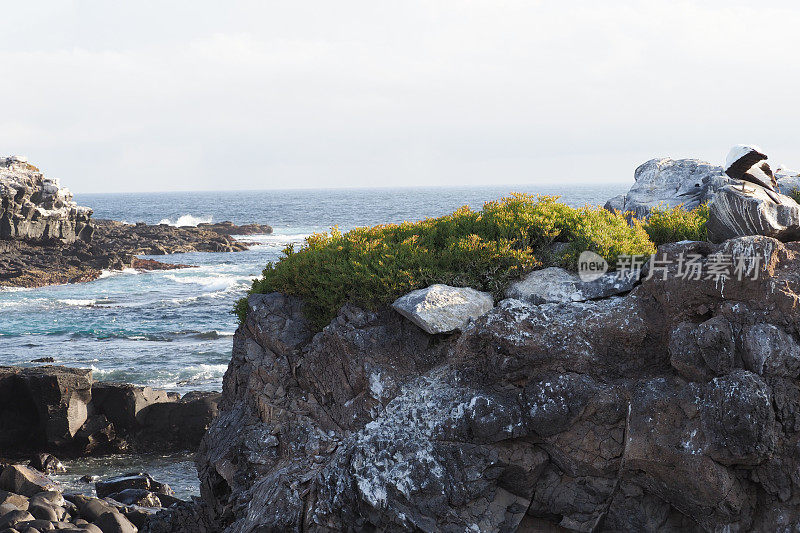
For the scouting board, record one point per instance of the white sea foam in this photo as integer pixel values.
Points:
(273, 239)
(187, 220)
(76, 302)
(210, 283)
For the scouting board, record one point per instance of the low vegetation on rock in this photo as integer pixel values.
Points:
(677, 224)
(484, 249)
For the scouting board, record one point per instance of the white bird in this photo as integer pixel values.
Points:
(748, 164)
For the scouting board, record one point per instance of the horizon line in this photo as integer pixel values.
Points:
(373, 187)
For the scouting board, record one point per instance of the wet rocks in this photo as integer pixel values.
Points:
(52, 510)
(135, 480)
(229, 228)
(443, 309)
(47, 463)
(736, 213)
(674, 407)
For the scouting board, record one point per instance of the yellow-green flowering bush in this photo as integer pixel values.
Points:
(677, 224)
(486, 249)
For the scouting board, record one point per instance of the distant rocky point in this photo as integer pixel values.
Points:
(36, 208)
(46, 238)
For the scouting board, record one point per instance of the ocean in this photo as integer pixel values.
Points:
(173, 329)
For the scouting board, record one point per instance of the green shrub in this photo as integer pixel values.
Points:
(794, 194)
(485, 249)
(677, 224)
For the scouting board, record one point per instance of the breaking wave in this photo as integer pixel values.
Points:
(187, 220)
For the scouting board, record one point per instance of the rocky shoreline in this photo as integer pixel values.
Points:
(50, 410)
(114, 246)
(47, 239)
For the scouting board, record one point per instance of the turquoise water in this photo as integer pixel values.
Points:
(172, 329)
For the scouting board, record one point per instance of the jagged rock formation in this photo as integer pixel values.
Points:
(670, 182)
(37, 209)
(736, 213)
(114, 245)
(60, 408)
(675, 407)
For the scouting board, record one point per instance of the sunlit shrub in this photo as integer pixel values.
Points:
(486, 249)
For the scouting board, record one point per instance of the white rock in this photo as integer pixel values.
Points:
(669, 183)
(734, 213)
(556, 285)
(443, 309)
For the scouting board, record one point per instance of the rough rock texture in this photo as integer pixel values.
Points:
(735, 213)
(42, 404)
(673, 408)
(59, 408)
(554, 284)
(229, 228)
(38, 209)
(25, 481)
(443, 309)
(669, 182)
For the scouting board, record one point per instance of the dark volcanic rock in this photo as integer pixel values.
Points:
(229, 228)
(136, 480)
(47, 463)
(44, 405)
(178, 425)
(58, 408)
(676, 407)
(25, 481)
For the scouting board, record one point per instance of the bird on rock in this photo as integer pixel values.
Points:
(748, 164)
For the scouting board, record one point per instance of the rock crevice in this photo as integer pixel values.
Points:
(674, 407)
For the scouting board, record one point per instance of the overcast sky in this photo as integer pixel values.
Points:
(200, 95)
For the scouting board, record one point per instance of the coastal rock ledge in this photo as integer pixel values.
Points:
(673, 408)
(37, 209)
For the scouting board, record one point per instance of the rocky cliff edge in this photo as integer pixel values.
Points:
(37, 209)
(672, 408)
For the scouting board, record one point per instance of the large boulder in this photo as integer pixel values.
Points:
(25, 481)
(123, 404)
(675, 407)
(178, 425)
(36, 208)
(46, 405)
(736, 213)
(669, 183)
(443, 309)
(554, 284)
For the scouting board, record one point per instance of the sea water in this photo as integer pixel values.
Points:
(172, 329)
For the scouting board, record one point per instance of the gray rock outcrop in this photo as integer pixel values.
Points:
(443, 309)
(672, 182)
(556, 285)
(669, 183)
(735, 213)
(673, 408)
(37, 209)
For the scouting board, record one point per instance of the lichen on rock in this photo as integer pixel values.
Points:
(674, 407)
